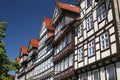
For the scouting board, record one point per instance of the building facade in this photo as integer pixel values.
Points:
(23, 60)
(63, 42)
(33, 46)
(79, 43)
(97, 53)
(44, 63)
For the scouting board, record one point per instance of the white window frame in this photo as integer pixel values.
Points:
(89, 23)
(91, 48)
(80, 54)
(79, 31)
(101, 13)
(104, 41)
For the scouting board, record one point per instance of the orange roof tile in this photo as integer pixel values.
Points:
(18, 59)
(48, 23)
(34, 42)
(68, 7)
(24, 50)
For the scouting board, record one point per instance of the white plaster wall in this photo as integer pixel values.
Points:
(114, 48)
(80, 64)
(105, 53)
(96, 26)
(102, 73)
(92, 59)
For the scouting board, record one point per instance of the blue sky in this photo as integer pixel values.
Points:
(24, 19)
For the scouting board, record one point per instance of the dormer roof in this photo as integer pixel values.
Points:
(18, 59)
(48, 23)
(34, 42)
(24, 50)
(68, 7)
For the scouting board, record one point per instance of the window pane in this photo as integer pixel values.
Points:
(80, 54)
(96, 75)
(110, 73)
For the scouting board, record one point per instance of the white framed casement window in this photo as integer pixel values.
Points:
(91, 48)
(80, 54)
(66, 62)
(101, 13)
(110, 71)
(70, 60)
(89, 23)
(104, 41)
(79, 30)
(96, 75)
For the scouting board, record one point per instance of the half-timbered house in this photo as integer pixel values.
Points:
(64, 14)
(44, 63)
(33, 46)
(97, 40)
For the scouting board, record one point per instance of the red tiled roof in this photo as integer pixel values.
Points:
(34, 42)
(68, 7)
(24, 50)
(48, 23)
(18, 59)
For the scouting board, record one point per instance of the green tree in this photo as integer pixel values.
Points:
(6, 64)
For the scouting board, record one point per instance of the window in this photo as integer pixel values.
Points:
(88, 3)
(79, 31)
(89, 23)
(69, 38)
(56, 70)
(104, 41)
(84, 76)
(61, 45)
(66, 62)
(96, 75)
(58, 67)
(55, 51)
(70, 60)
(62, 65)
(101, 13)
(110, 72)
(80, 54)
(62, 22)
(91, 48)
(63, 42)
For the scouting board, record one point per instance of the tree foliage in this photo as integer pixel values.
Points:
(6, 64)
